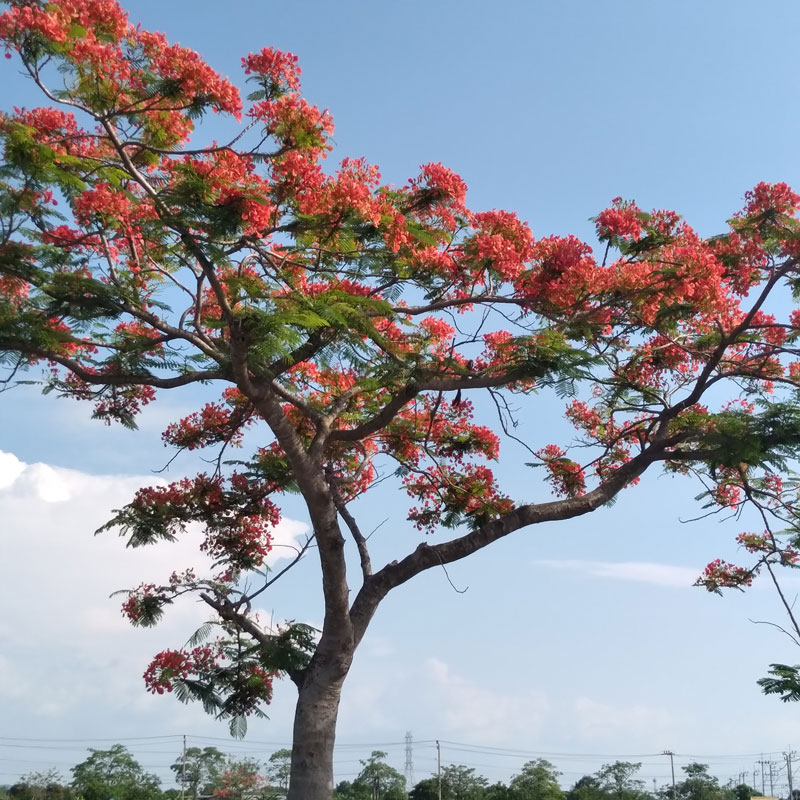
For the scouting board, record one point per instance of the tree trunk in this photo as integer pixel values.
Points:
(315, 727)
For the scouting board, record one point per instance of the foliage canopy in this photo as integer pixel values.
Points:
(343, 325)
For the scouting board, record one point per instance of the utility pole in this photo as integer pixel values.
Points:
(788, 757)
(771, 786)
(439, 766)
(672, 767)
(183, 766)
(654, 787)
(763, 764)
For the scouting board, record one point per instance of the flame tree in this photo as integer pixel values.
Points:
(344, 325)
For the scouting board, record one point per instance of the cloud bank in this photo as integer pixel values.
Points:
(639, 571)
(66, 646)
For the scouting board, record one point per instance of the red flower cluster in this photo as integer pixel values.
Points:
(720, 574)
(293, 120)
(213, 424)
(768, 546)
(471, 492)
(279, 67)
(94, 36)
(103, 202)
(13, 290)
(123, 402)
(774, 197)
(442, 192)
(171, 665)
(147, 594)
(567, 476)
(55, 22)
(622, 219)
(502, 243)
(245, 542)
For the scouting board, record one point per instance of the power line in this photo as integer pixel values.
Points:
(252, 744)
(118, 739)
(514, 751)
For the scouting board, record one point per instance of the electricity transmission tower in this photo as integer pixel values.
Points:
(409, 771)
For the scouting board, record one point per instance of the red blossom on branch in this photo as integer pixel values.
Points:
(720, 574)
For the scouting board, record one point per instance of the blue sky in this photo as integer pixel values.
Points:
(582, 638)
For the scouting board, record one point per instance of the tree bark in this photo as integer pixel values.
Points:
(319, 692)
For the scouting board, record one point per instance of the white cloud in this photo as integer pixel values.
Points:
(56, 578)
(42, 482)
(497, 715)
(639, 571)
(10, 469)
(487, 714)
(601, 722)
(379, 647)
(13, 681)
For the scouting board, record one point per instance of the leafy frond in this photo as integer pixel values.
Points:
(785, 682)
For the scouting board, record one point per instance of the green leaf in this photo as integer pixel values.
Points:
(238, 726)
(786, 682)
(201, 634)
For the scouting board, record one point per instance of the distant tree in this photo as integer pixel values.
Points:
(198, 770)
(744, 792)
(379, 780)
(458, 783)
(699, 785)
(617, 779)
(279, 767)
(116, 774)
(345, 791)
(241, 780)
(538, 780)
(46, 785)
(426, 789)
(497, 791)
(587, 787)
(461, 783)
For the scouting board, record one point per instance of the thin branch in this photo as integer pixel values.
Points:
(775, 625)
(350, 521)
(495, 395)
(300, 553)
(450, 581)
(784, 601)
